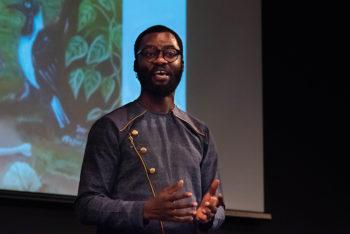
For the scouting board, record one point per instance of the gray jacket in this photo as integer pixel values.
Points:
(131, 154)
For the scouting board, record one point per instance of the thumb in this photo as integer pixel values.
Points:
(213, 187)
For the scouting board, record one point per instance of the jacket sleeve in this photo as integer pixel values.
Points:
(94, 203)
(209, 172)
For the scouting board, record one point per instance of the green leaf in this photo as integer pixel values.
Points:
(87, 15)
(91, 83)
(106, 4)
(112, 107)
(51, 10)
(11, 22)
(107, 88)
(115, 34)
(94, 114)
(115, 104)
(98, 51)
(76, 49)
(76, 79)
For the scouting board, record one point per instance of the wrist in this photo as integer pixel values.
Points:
(147, 210)
(205, 225)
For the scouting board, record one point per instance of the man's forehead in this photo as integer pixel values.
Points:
(161, 39)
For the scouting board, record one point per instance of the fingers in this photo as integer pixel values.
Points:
(202, 214)
(186, 219)
(171, 205)
(183, 212)
(182, 205)
(214, 203)
(208, 208)
(210, 215)
(179, 196)
(212, 209)
(173, 188)
(172, 192)
(213, 187)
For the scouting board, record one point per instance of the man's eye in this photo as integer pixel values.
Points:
(170, 53)
(149, 53)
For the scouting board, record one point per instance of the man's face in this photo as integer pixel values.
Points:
(159, 77)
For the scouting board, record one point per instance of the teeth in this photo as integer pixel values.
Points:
(160, 72)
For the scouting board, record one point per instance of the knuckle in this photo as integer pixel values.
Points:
(170, 212)
(168, 205)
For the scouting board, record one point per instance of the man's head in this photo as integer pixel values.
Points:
(158, 60)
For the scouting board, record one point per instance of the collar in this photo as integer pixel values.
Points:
(126, 115)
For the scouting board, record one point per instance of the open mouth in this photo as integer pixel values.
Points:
(161, 75)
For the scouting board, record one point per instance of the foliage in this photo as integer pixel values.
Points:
(53, 158)
(92, 54)
(91, 71)
(51, 9)
(97, 43)
(77, 48)
(11, 23)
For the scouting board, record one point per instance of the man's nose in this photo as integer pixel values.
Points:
(160, 59)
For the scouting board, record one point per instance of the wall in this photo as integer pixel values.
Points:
(224, 80)
(305, 135)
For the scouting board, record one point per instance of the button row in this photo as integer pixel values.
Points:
(152, 170)
(134, 133)
(143, 151)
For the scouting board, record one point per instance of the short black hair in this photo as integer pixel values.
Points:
(157, 29)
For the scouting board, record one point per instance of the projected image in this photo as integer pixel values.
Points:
(60, 70)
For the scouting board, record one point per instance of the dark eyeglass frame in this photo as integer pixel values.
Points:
(140, 52)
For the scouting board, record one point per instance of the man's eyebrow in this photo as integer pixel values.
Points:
(163, 47)
(169, 47)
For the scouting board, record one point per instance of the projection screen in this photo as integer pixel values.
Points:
(61, 69)
(224, 70)
(65, 63)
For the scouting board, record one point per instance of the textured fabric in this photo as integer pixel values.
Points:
(114, 184)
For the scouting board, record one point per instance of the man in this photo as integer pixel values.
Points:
(149, 167)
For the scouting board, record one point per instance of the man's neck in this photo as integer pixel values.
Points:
(156, 103)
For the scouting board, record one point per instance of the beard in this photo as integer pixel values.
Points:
(147, 84)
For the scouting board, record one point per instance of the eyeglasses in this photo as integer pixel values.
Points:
(151, 53)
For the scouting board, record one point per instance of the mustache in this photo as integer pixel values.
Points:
(162, 68)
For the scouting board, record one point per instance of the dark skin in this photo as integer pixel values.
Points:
(210, 203)
(166, 205)
(152, 101)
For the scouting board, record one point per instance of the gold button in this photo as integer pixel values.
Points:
(134, 133)
(152, 170)
(143, 150)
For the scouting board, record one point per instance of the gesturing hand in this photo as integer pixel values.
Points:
(210, 203)
(164, 206)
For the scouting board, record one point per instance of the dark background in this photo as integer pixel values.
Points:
(305, 131)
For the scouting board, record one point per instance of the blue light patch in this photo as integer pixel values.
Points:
(138, 16)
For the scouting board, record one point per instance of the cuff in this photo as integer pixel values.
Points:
(205, 226)
(136, 215)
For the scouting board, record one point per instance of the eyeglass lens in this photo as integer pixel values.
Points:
(152, 53)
